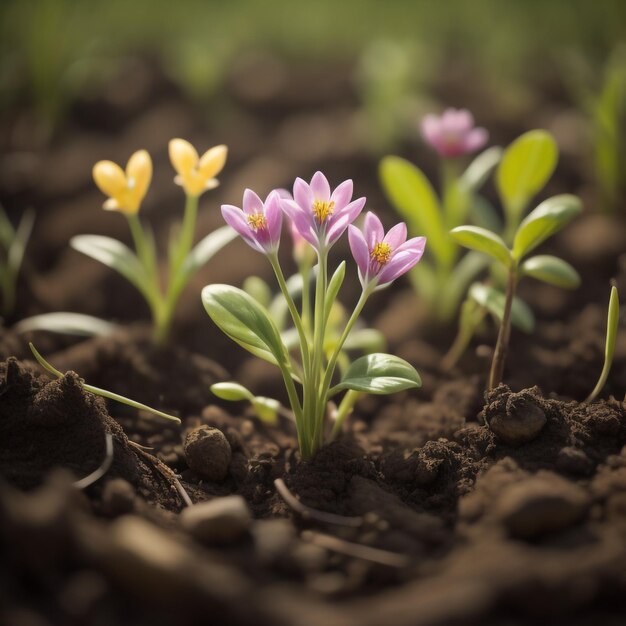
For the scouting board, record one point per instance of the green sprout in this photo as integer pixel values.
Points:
(13, 243)
(543, 222)
(609, 348)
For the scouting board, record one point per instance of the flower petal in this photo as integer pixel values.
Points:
(274, 217)
(251, 202)
(342, 195)
(183, 156)
(139, 175)
(373, 230)
(396, 236)
(320, 187)
(110, 178)
(300, 220)
(431, 128)
(476, 139)
(359, 249)
(213, 161)
(235, 218)
(302, 194)
(399, 264)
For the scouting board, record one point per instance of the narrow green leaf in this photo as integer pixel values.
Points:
(266, 409)
(552, 270)
(525, 168)
(244, 320)
(413, 197)
(17, 247)
(103, 392)
(379, 374)
(334, 286)
(611, 338)
(480, 168)
(483, 240)
(68, 324)
(231, 391)
(493, 300)
(7, 232)
(206, 248)
(113, 254)
(548, 218)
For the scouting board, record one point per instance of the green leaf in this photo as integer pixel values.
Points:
(365, 339)
(231, 391)
(334, 286)
(525, 168)
(483, 240)
(415, 200)
(548, 218)
(479, 169)
(102, 392)
(113, 254)
(552, 270)
(206, 248)
(17, 247)
(245, 321)
(482, 213)
(266, 409)
(493, 300)
(611, 338)
(379, 374)
(67, 323)
(258, 289)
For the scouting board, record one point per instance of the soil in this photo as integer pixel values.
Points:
(442, 506)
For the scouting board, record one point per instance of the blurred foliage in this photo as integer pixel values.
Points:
(52, 50)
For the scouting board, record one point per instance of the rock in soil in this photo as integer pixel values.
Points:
(219, 521)
(542, 504)
(516, 418)
(208, 453)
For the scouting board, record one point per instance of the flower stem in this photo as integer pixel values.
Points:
(504, 334)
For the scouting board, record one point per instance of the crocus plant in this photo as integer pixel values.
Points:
(320, 216)
(126, 190)
(443, 277)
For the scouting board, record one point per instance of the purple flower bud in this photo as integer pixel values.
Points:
(321, 217)
(259, 223)
(453, 133)
(383, 258)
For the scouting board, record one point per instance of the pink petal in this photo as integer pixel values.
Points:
(300, 220)
(320, 187)
(251, 202)
(359, 249)
(416, 245)
(235, 218)
(373, 230)
(274, 217)
(342, 195)
(396, 236)
(285, 194)
(302, 194)
(457, 121)
(340, 220)
(475, 139)
(431, 128)
(399, 264)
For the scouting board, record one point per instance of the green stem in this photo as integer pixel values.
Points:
(504, 334)
(305, 273)
(471, 316)
(343, 411)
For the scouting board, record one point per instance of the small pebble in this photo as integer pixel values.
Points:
(544, 503)
(208, 453)
(574, 461)
(118, 497)
(220, 521)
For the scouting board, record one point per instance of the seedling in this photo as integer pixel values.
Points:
(543, 222)
(609, 348)
(442, 278)
(320, 217)
(127, 190)
(13, 243)
(102, 392)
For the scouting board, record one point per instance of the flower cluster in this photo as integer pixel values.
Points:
(453, 133)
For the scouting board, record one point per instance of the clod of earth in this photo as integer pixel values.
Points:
(516, 418)
(208, 453)
(219, 521)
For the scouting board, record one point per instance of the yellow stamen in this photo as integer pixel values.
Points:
(257, 221)
(381, 253)
(323, 210)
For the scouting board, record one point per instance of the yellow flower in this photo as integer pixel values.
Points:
(126, 190)
(196, 174)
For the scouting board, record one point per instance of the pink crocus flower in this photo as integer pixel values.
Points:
(259, 223)
(319, 215)
(383, 258)
(453, 133)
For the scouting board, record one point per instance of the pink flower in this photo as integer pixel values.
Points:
(382, 258)
(259, 223)
(453, 133)
(321, 217)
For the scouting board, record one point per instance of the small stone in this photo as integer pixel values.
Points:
(208, 453)
(118, 497)
(574, 461)
(544, 503)
(220, 521)
(516, 418)
(273, 539)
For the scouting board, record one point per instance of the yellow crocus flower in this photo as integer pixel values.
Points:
(196, 174)
(126, 189)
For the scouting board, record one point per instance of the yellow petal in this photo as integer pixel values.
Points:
(183, 156)
(213, 161)
(139, 175)
(193, 183)
(110, 178)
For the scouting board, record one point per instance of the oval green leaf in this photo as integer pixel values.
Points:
(483, 240)
(479, 169)
(67, 323)
(334, 286)
(379, 374)
(244, 320)
(552, 270)
(206, 248)
(548, 218)
(525, 168)
(231, 391)
(415, 200)
(493, 300)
